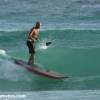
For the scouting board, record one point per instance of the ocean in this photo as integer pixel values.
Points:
(73, 27)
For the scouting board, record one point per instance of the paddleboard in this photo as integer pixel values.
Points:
(37, 70)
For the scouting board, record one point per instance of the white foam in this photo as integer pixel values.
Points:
(10, 71)
(3, 52)
(44, 47)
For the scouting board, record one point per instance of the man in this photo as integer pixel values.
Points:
(32, 38)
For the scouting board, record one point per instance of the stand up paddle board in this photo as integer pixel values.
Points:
(36, 70)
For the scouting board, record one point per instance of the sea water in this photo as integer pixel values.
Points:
(73, 27)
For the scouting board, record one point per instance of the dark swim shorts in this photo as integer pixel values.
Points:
(31, 47)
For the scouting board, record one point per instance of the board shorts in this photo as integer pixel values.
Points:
(31, 47)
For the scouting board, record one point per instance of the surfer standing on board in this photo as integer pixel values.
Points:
(32, 38)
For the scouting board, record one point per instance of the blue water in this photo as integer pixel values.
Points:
(73, 27)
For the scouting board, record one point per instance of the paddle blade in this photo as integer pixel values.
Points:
(48, 43)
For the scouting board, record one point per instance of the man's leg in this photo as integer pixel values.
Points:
(31, 59)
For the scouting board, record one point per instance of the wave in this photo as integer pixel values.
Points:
(60, 38)
(91, 31)
(62, 26)
(12, 72)
(85, 78)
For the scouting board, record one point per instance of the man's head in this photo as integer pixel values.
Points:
(38, 25)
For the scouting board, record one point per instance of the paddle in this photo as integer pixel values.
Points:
(48, 43)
